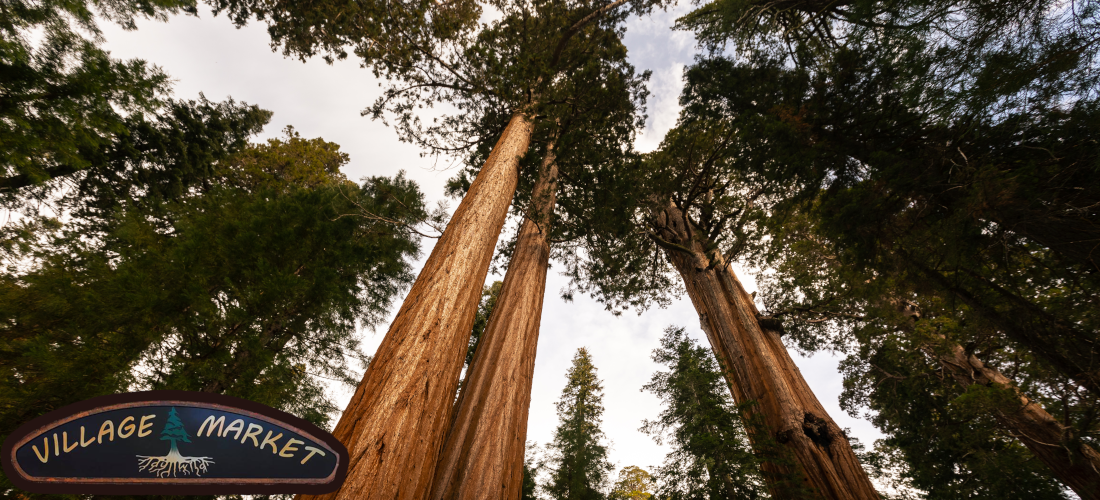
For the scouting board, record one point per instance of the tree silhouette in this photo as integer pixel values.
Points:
(173, 430)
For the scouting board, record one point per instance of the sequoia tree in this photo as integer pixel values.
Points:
(938, 136)
(957, 168)
(439, 52)
(484, 447)
(961, 407)
(689, 203)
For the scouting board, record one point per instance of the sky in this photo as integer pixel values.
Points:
(207, 54)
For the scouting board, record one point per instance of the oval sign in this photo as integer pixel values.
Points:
(172, 443)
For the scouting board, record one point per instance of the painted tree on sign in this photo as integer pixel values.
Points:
(173, 430)
(173, 462)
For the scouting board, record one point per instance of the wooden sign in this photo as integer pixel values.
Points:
(172, 443)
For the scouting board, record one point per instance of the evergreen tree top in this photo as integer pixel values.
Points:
(173, 429)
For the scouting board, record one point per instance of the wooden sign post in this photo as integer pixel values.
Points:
(172, 443)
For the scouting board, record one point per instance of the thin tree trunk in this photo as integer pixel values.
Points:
(759, 369)
(396, 421)
(483, 454)
(1073, 462)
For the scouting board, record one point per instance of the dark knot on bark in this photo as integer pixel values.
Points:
(817, 429)
(772, 323)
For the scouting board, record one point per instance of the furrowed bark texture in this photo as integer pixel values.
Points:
(758, 368)
(396, 421)
(483, 454)
(1074, 463)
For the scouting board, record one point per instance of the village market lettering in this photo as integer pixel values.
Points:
(213, 427)
(253, 431)
(107, 428)
(200, 443)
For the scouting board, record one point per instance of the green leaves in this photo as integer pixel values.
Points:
(253, 287)
(64, 101)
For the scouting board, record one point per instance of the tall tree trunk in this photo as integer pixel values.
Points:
(1073, 462)
(483, 454)
(758, 368)
(396, 421)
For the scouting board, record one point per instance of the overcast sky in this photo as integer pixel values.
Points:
(208, 55)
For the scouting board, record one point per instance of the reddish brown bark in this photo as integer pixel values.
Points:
(1074, 463)
(483, 454)
(758, 368)
(396, 421)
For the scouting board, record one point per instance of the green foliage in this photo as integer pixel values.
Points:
(437, 53)
(562, 64)
(634, 484)
(963, 58)
(940, 437)
(164, 157)
(711, 457)
(578, 463)
(173, 429)
(64, 101)
(252, 287)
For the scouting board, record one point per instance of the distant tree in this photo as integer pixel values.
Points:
(711, 457)
(634, 484)
(578, 464)
(531, 467)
